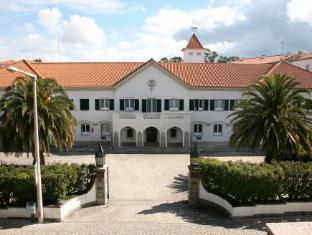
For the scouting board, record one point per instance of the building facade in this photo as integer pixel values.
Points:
(151, 104)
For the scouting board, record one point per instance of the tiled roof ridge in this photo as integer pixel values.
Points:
(28, 64)
(90, 62)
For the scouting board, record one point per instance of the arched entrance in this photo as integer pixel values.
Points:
(174, 137)
(151, 137)
(128, 137)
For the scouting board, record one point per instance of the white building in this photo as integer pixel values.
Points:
(139, 105)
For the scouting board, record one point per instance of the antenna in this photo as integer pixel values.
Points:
(194, 29)
(282, 45)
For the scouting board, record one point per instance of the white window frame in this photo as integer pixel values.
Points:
(106, 131)
(84, 126)
(129, 104)
(151, 105)
(219, 131)
(174, 104)
(201, 104)
(219, 104)
(104, 104)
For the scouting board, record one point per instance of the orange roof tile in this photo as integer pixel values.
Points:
(193, 43)
(109, 74)
(6, 63)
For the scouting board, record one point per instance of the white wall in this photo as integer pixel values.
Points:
(191, 56)
(303, 64)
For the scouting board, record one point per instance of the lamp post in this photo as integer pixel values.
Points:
(37, 164)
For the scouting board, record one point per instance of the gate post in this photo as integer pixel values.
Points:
(101, 185)
(193, 187)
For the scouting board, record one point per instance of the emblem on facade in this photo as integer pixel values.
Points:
(151, 83)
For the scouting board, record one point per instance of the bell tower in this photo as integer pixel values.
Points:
(194, 52)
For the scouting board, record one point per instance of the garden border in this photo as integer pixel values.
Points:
(55, 212)
(253, 211)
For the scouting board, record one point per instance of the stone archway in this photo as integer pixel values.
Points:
(128, 137)
(175, 137)
(151, 137)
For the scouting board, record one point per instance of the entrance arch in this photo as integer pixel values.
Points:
(128, 137)
(174, 137)
(151, 137)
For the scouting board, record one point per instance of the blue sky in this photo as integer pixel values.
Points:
(124, 30)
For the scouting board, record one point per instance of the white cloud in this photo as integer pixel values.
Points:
(300, 11)
(50, 18)
(221, 47)
(82, 30)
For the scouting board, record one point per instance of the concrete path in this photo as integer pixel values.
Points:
(148, 195)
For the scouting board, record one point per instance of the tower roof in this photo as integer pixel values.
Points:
(193, 43)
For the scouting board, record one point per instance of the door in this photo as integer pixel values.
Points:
(151, 135)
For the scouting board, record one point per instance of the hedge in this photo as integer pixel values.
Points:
(243, 183)
(59, 181)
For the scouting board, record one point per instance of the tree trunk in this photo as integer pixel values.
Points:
(42, 159)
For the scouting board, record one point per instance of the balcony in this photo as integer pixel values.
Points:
(161, 121)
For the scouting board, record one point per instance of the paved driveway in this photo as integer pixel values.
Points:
(148, 196)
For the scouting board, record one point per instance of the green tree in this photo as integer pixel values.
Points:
(56, 123)
(225, 59)
(164, 60)
(274, 118)
(176, 59)
(210, 56)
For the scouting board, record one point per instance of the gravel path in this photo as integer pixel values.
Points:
(148, 195)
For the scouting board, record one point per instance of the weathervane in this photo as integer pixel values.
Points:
(194, 29)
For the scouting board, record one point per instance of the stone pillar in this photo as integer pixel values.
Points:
(186, 140)
(163, 140)
(139, 140)
(116, 140)
(101, 185)
(193, 187)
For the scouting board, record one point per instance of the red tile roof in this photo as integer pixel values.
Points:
(274, 58)
(107, 75)
(6, 63)
(193, 43)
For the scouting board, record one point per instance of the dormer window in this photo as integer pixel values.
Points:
(198, 53)
(191, 53)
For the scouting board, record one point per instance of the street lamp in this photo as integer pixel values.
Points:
(37, 165)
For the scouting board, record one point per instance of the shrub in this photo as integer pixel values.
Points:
(244, 183)
(17, 183)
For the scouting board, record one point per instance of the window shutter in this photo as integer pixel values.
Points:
(206, 104)
(144, 105)
(159, 105)
(97, 104)
(196, 104)
(191, 105)
(232, 103)
(136, 104)
(122, 104)
(226, 104)
(212, 104)
(181, 105)
(167, 105)
(200, 128)
(111, 104)
(84, 104)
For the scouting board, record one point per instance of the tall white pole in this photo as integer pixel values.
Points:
(37, 155)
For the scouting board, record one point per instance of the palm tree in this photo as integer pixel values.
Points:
(56, 123)
(274, 117)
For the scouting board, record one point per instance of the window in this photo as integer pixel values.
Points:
(198, 128)
(199, 105)
(198, 53)
(104, 104)
(72, 106)
(217, 129)
(129, 104)
(219, 105)
(173, 132)
(191, 53)
(85, 129)
(173, 104)
(308, 67)
(84, 104)
(151, 105)
(129, 132)
(105, 130)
